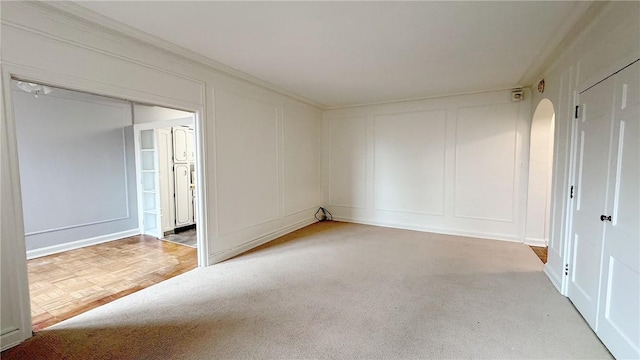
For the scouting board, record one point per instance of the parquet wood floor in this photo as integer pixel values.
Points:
(70, 283)
(541, 252)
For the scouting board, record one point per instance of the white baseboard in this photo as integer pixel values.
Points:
(54, 249)
(554, 278)
(10, 338)
(535, 242)
(488, 236)
(229, 253)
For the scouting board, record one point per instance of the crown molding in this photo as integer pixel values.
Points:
(433, 97)
(70, 11)
(582, 16)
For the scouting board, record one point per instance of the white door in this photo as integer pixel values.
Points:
(191, 149)
(151, 219)
(165, 155)
(593, 131)
(619, 315)
(184, 201)
(180, 140)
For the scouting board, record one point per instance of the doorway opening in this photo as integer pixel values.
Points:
(81, 201)
(540, 178)
(167, 173)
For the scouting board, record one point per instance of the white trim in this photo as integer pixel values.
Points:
(202, 193)
(189, 120)
(479, 235)
(13, 228)
(138, 165)
(296, 212)
(554, 278)
(80, 225)
(570, 171)
(431, 97)
(535, 241)
(54, 249)
(580, 18)
(11, 338)
(229, 253)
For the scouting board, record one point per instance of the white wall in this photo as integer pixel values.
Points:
(540, 170)
(145, 114)
(608, 42)
(268, 167)
(77, 169)
(454, 165)
(40, 44)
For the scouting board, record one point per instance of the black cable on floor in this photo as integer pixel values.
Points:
(326, 215)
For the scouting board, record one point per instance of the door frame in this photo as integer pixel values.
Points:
(568, 229)
(13, 229)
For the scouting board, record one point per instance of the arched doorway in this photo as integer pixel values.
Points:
(540, 171)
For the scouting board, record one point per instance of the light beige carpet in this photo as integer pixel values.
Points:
(339, 291)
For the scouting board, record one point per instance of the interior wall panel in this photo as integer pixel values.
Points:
(347, 158)
(247, 144)
(485, 161)
(76, 167)
(410, 162)
(57, 142)
(453, 165)
(302, 160)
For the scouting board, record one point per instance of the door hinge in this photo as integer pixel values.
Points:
(571, 193)
(577, 112)
(174, 195)
(566, 269)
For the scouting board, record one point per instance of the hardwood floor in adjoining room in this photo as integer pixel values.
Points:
(70, 283)
(541, 252)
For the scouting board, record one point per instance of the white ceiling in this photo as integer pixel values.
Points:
(345, 53)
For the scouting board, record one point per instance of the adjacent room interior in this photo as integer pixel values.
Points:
(91, 207)
(320, 179)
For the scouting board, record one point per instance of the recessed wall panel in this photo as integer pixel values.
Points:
(73, 159)
(485, 161)
(410, 162)
(347, 161)
(302, 157)
(621, 306)
(247, 153)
